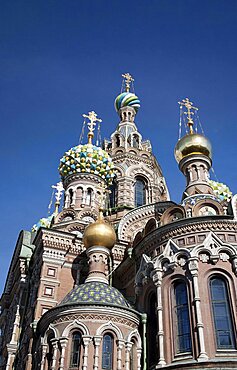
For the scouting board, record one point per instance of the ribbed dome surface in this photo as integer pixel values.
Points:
(95, 293)
(127, 99)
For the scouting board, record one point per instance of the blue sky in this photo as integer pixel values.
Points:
(60, 59)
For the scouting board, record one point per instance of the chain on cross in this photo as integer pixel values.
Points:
(189, 106)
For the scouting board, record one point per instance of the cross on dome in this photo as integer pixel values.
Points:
(92, 117)
(128, 80)
(189, 106)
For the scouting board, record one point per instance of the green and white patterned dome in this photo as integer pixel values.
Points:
(127, 99)
(221, 190)
(87, 158)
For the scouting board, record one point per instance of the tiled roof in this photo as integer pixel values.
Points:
(95, 293)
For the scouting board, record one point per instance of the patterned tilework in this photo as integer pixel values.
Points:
(95, 293)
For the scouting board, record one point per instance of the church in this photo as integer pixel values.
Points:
(120, 277)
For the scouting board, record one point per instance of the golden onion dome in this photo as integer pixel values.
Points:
(192, 144)
(99, 234)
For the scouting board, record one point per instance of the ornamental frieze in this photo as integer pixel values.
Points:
(95, 317)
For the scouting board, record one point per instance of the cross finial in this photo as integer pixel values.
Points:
(128, 79)
(189, 106)
(92, 117)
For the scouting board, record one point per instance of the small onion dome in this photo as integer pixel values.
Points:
(43, 222)
(127, 99)
(192, 144)
(99, 234)
(221, 190)
(87, 158)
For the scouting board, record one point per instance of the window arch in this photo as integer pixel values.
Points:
(140, 192)
(107, 352)
(76, 349)
(182, 331)
(221, 314)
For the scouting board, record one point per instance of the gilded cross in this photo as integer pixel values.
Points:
(189, 106)
(59, 190)
(128, 80)
(92, 117)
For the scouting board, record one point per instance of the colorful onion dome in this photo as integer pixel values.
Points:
(43, 222)
(192, 144)
(221, 190)
(95, 293)
(127, 99)
(87, 158)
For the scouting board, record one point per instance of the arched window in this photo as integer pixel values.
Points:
(107, 352)
(221, 314)
(140, 192)
(181, 320)
(113, 196)
(75, 349)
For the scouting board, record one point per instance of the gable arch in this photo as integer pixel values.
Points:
(75, 325)
(110, 327)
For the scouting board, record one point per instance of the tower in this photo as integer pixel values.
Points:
(139, 180)
(193, 152)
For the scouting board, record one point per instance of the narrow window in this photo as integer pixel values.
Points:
(49, 354)
(152, 330)
(113, 196)
(70, 197)
(75, 349)
(107, 352)
(221, 314)
(140, 192)
(88, 197)
(182, 322)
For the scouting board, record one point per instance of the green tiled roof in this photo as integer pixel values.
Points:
(95, 293)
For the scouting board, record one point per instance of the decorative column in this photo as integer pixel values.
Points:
(74, 194)
(128, 348)
(97, 341)
(193, 268)
(54, 342)
(139, 355)
(120, 345)
(157, 279)
(86, 342)
(66, 204)
(63, 344)
(44, 351)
